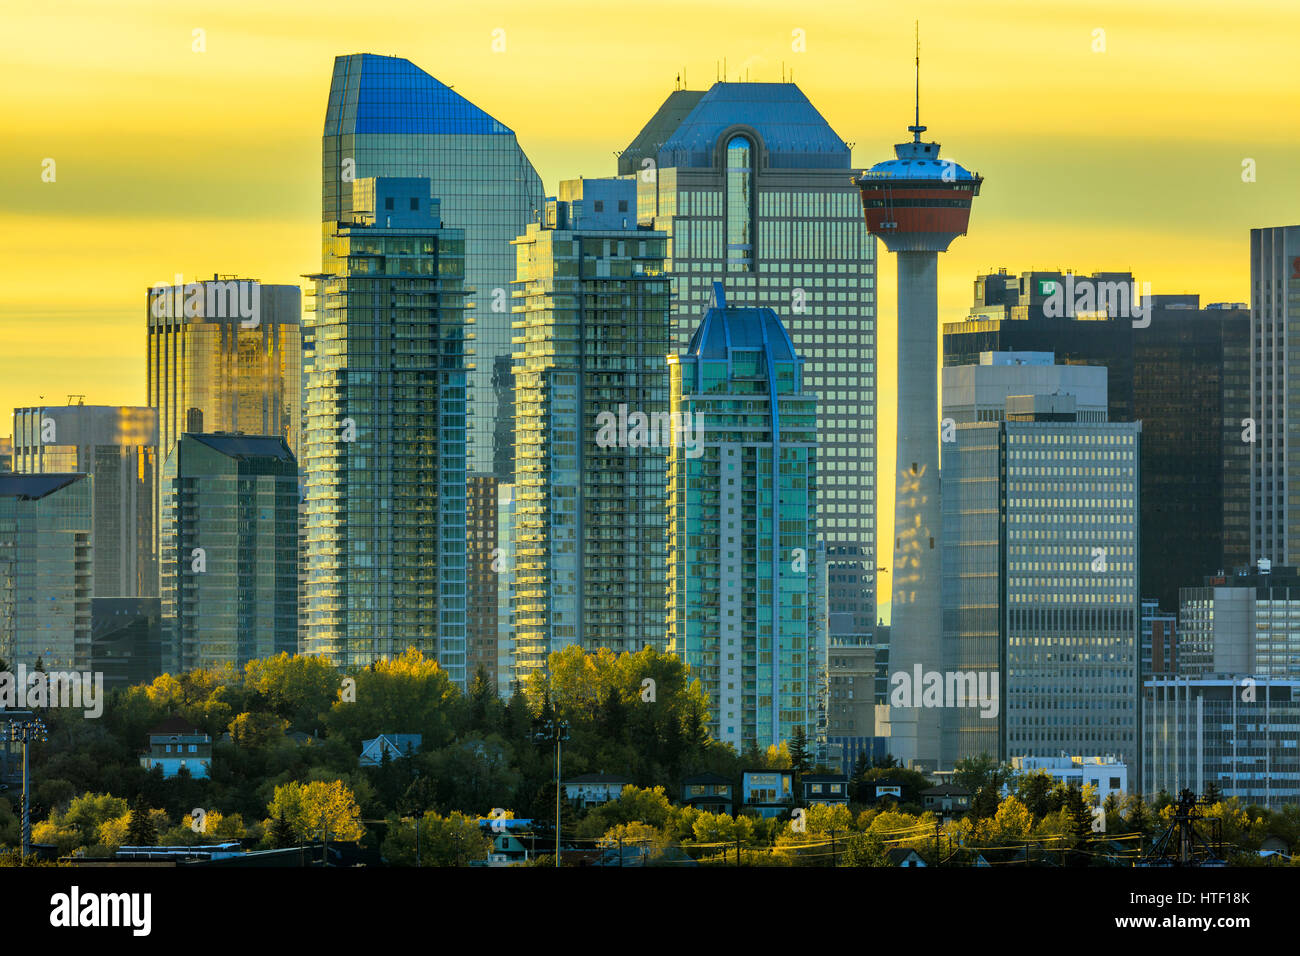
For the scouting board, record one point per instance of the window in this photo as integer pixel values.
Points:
(388, 202)
(622, 205)
(415, 203)
(600, 206)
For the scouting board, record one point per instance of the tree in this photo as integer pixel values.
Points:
(319, 808)
(140, 828)
(280, 833)
(1213, 793)
(454, 840)
(800, 760)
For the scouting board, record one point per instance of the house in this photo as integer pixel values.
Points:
(708, 791)
(176, 743)
(946, 799)
(593, 789)
(884, 791)
(512, 841)
(770, 792)
(903, 856)
(825, 789)
(395, 746)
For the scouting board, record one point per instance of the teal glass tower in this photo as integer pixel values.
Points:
(229, 550)
(746, 600)
(386, 423)
(387, 117)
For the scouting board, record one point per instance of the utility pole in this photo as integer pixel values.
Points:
(24, 732)
(558, 731)
(419, 815)
(832, 847)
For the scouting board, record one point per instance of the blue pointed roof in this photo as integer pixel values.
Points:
(726, 328)
(388, 94)
(795, 134)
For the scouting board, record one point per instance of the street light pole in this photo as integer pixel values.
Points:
(24, 732)
(557, 730)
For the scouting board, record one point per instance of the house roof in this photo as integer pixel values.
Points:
(900, 853)
(946, 790)
(174, 725)
(706, 778)
(597, 778)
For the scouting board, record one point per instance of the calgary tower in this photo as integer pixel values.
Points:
(917, 204)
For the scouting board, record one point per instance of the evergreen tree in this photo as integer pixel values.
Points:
(281, 833)
(859, 778)
(1080, 825)
(800, 760)
(1213, 793)
(140, 828)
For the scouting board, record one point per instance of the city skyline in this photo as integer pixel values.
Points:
(151, 204)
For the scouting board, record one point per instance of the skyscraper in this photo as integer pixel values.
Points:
(1040, 588)
(917, 204)
(385, 448)
(46, 569)
(229, 555)
(483, 566)
(224, 356)
(387, 117)
(119, 447)
(1180, 369)
(591, 390)
(1191, 391)
(1274, 393)
(754, 189)
(745, 610)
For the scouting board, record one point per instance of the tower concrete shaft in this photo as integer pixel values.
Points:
(915, 624)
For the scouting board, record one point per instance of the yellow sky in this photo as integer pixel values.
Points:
(169, 160)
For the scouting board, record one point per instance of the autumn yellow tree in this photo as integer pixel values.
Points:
(320, 808)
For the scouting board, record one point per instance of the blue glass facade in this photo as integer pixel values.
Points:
(387, 117)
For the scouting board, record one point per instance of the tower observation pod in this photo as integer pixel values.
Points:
(917, 204)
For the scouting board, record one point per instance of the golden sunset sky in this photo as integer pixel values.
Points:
(169, 160)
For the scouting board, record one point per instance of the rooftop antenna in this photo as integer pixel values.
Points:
(916, 129)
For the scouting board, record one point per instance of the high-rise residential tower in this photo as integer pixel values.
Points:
(754, 189)
(917, 205)
(385, 449)
(46, 570)
(1274, 393)
(591, 394)
(118, 445)
(229, 555)
(746, 613)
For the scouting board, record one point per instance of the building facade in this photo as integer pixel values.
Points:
(482, 571)
(119, 447)
(46, 569)
(229, 555)
(754, 189)
(743, 580)
(1274, 393)
(385, 449)
(1244, 623)
(1236, 732)
(591, 390)
(1040, 553)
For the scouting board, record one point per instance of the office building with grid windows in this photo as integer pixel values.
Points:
(591, 393)
(755, 189)
(746, 612)
(1040, 553)
(386, 423)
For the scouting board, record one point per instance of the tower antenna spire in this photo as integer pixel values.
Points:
(916, 129)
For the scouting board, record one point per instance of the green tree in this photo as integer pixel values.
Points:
(318, 809)
(140, 828)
